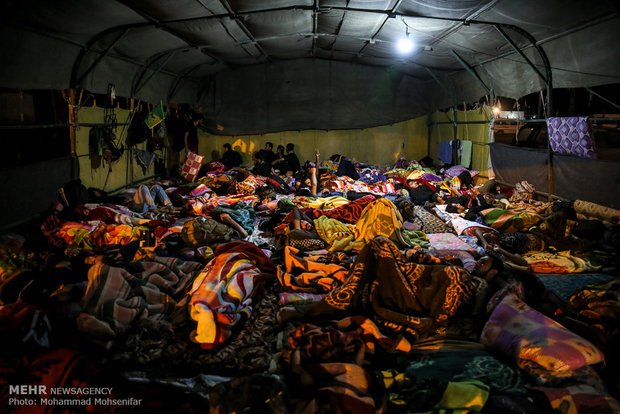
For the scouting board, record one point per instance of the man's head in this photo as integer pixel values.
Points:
(195, 117)
(269, 146)
(281, 149)
(488, 266)
(227, 147)
(290, 147)
(258, 157)
(455, 208)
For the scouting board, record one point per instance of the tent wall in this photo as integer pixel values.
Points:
(311, 94)
(574, 178)
(31, 189)
(478, 133)
(380, 145)
(123, 172)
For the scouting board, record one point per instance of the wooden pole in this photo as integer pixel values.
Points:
(72, 133)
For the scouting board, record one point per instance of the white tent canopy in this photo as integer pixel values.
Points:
(272, 65)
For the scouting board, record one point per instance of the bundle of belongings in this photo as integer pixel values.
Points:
(343, 287)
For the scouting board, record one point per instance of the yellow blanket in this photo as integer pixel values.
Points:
(321, 203)
(379, 218)
(339, 236)
(382, 218)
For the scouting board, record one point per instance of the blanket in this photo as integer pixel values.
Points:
(507, 221)
(344, 184)
(240, 212)
(382, 218)
(448, 243)
(558, 262)
(588, 210)
(303, 275)
(529, 337)
(346, 213)
(222, 294)
(329, 359)
(430, 223)
(339, 236)
(407, 297)
(571, 135)
(142, 290)
(322, 203)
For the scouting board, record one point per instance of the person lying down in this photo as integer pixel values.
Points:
(407, 292)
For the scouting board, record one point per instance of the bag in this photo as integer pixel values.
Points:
(101, 145)
(203, 231)
(138, 131)
(192, 165)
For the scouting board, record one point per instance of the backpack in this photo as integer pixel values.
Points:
(138, 132)
(203, 231)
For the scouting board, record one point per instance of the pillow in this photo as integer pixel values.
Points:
(527, 335)
(507, 221)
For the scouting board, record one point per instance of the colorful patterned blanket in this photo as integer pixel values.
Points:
(558, 262)
(415, 297)
(508, 221)
(223, 292)
(303, 275)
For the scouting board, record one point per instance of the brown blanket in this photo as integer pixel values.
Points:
(414, 297)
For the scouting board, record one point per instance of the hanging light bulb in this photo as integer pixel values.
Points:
(497, 108)
(405, 45)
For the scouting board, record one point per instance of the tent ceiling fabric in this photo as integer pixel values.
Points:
(257, 66)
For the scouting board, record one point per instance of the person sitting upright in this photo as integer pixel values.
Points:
(261, 167)
(267, 153)
(291, 158)
(230, 158)
(279, 163)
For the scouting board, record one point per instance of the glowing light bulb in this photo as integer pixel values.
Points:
(405, 45)
(496, 110)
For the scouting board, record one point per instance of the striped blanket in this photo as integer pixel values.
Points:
(222, 294)
(142, 290)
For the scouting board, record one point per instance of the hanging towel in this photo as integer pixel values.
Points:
(445, 152)
(466, 147)
(571, 136)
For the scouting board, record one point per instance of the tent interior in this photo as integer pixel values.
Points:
(167, 279)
